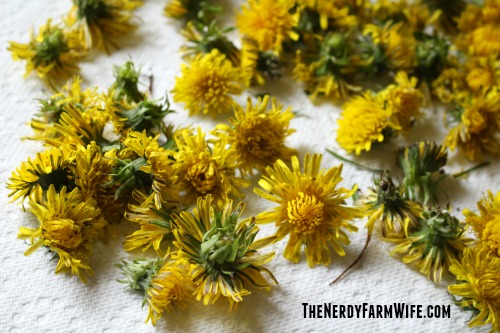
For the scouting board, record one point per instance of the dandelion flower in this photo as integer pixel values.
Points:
(258, 133)
(478, 285)
(207, 83)
(362, 123)
(268, 22)
(404, 99)
(52, 53)
(68, 226)
(223, 252)
(396, 42)
(434, 244)
(51, 167)
(486, 225)
(385, 203)
(203, 169)
(100, 22)
(311, 209)
(164, 282)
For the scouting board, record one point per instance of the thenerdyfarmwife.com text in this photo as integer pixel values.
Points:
(375, 311)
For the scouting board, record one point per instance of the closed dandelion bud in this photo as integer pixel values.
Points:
(126, 83)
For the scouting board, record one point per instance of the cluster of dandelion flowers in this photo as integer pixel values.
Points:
(164, 282)
(362, 123)
(223, 251)
(52, 53)
(258, 133)
(478, 285)
(311, 208)
(269, 23)
(207, 83)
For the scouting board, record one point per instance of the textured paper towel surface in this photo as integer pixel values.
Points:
(34, 299)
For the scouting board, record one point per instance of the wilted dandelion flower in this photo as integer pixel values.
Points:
(433, 244)
(223, 252)
(164, 282)
(52, 53)
(68, 226)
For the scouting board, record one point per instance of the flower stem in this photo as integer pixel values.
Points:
(352, 162)
(463, 173)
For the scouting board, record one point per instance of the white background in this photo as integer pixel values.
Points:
(34, 299)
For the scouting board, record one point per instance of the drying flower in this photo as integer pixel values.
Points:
(100, 22)
(68, 225)
(257, 66)
(223, 251)
(385, 203)
(268, 22)
(434, 244)
(396, 43)
(164, 282)
(205, 169)
(478, 285)
(191, 10)
(486, 225)
(155, 224)
(477, 120)
(258, 133)
(204, 38)
(126, 83)
(52, 53)
(35, 176)
(333, 13)
(421, 164)
(482, 73)
(404, 100)
(311, 209)
(207, 83)
(363, 122)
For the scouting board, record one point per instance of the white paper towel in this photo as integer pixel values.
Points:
(34, 299)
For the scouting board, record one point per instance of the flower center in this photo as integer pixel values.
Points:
(62, 232)
(203, 176)
(305, 212)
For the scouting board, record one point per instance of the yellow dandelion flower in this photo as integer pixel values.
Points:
(52, 53)
(486, 225)
(478, 285)
(362, 123)
(436, 242)
(100, 22)
(202, 169)
(397, 43)
(258, 133)
(68, 223)
(165, 283)
(404, 99)
(268, 22)
(257, 66)
(155, 223)
(478, 120)
(207, 83)
(223, 252)
(332, 13)
(176, 8)
(482, 73)
(312, 209)
(450, 83)
(484, 41)
(33, 177)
